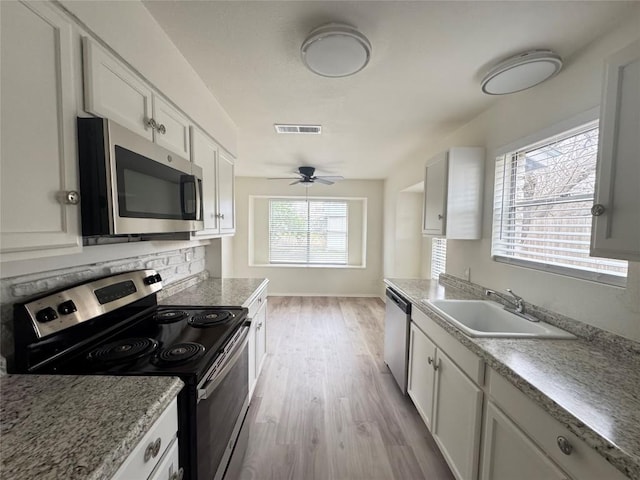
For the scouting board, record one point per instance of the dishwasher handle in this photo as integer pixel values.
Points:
(402, 303)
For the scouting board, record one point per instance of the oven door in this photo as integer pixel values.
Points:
(223, 401)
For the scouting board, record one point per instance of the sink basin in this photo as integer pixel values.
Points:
(483, 318)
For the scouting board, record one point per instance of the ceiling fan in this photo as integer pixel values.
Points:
(307, 177)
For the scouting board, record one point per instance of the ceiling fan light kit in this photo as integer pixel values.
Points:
(335, 50)
(521, 71)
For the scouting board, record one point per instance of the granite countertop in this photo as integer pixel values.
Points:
(218, 291)
(76, 427)
(593, 390)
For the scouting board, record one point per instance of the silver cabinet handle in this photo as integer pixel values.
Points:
(176, 475)
(151, 123)
(597, 210)
(71, 197)
(564, 445)
(162, 129)
(152, 450)
(439, 217)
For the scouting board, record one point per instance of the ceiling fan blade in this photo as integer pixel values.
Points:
(282, 178)
(293, 183)
(331, 178)
(323, 180)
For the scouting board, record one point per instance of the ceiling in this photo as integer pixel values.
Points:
(422, 81)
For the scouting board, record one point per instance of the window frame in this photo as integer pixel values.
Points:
(356, 260)
(308, 249)
(559, 129)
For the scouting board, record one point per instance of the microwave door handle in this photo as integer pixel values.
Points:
(184, 180)
(198, 185)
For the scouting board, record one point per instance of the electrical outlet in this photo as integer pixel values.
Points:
(188, 256)
(467, 274)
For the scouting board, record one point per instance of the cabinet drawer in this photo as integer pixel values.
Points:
(582, 463)
(168, 466)
(256, 303)
(470, 363)
(164, 429)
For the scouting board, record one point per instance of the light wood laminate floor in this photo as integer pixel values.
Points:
(326, 406)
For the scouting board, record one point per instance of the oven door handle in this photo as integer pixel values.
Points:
(207, 389)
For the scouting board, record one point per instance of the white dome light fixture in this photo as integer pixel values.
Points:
(336, 50)
(521, 71)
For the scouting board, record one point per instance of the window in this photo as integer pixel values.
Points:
(438, 257)
(542, 200)
(308, 232)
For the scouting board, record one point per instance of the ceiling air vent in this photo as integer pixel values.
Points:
(300, 129)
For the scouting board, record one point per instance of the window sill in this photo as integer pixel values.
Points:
(292, 265)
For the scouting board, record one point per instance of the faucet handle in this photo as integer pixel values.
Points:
(519, 301)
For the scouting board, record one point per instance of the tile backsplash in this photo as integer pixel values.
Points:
(174, 266)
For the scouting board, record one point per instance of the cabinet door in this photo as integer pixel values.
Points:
(226, 199)
(261, 337)
(616, 232)
(457, 418)
(38, 130)
(435, 193)
(507, 453)
(204, 153)
(114, 92)
(420, 386)
(172, 131)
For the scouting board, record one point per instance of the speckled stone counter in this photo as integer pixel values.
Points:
(76, 427)
(218, 291)
(586, 385)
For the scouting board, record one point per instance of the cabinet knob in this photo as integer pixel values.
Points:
(162, 129)
(176, 475)
(152, 123)
(597, 210)
(440, 217)
(564, 445)
(71, 197)
(436, 366)
(152, 450)
(429, 360)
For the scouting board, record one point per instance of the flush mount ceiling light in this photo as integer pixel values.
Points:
(335, 50)
(521, 71)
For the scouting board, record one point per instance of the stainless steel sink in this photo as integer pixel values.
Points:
(483, 318)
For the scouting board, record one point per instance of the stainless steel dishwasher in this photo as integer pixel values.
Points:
(396, 336)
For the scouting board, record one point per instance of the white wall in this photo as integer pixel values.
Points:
(575, 90)
(313, 280)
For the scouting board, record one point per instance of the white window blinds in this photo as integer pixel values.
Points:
(438, 257)
(308, 232)
(542, 200)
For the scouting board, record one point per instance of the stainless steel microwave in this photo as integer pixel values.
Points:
(129, 185)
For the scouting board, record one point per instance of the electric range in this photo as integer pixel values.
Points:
(113, 326)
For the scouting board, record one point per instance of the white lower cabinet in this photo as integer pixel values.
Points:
(257, 337)
(421, 382)
(457, 418)
(444, 383)
(157, 453)
(508, 453)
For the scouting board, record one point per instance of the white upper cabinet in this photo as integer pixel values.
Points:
(226, 195)
(172, 130)
(453, 194)
(39, 182)
(217, 183)
(113, 91)
(616, 211)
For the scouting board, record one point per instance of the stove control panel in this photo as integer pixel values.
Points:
(64, 309)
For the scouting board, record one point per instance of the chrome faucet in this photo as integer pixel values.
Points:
(517, 303)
